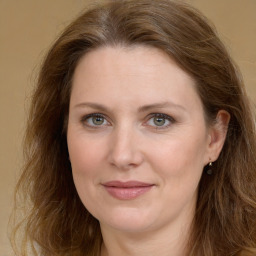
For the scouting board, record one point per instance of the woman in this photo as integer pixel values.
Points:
(140, 139)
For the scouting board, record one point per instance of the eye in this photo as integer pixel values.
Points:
(94, 120)
(159, 120)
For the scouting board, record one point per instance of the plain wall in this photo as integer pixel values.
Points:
(27, 29)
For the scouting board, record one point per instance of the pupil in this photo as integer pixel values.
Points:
(159, 121)
(98, 120)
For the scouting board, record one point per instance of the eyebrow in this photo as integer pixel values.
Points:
(166, 104)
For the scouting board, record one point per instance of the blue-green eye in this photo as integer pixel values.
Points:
(94, 120)
(160, 120)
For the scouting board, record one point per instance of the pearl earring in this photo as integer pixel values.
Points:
(209, 170)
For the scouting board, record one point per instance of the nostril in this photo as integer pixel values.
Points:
(125, 159)
(124, 150)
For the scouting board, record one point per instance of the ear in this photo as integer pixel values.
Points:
(217, 135)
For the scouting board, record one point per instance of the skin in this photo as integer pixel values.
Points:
(128, 142)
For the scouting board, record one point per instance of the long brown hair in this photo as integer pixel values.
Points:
(55, 221)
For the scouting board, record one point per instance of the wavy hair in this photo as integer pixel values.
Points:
(55, 221)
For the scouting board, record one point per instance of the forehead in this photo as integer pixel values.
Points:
(134, 75)
(129, 60)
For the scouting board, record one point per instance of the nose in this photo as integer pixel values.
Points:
(124, 151)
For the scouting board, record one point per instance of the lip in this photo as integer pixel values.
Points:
(127, 190)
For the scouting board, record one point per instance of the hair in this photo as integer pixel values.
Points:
(55, 221)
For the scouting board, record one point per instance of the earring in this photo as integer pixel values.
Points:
(209, 170)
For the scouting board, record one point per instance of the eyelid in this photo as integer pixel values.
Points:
(86, 117)
(149, 117)
(162, 115)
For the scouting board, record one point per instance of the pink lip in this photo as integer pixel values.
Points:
(127, 190)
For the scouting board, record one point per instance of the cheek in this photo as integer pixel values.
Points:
(180, 163)
(85, 161)
(182, 156)
(85, 156)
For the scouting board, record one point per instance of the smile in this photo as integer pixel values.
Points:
(127, 190)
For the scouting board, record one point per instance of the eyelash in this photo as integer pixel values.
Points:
(84, 120)
(165, 117)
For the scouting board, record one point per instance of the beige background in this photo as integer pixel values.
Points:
(28, 27)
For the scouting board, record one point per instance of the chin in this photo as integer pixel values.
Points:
(129, 220)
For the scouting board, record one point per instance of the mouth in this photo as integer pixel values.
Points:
(127, 190)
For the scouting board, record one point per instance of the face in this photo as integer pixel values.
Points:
(137, 138)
